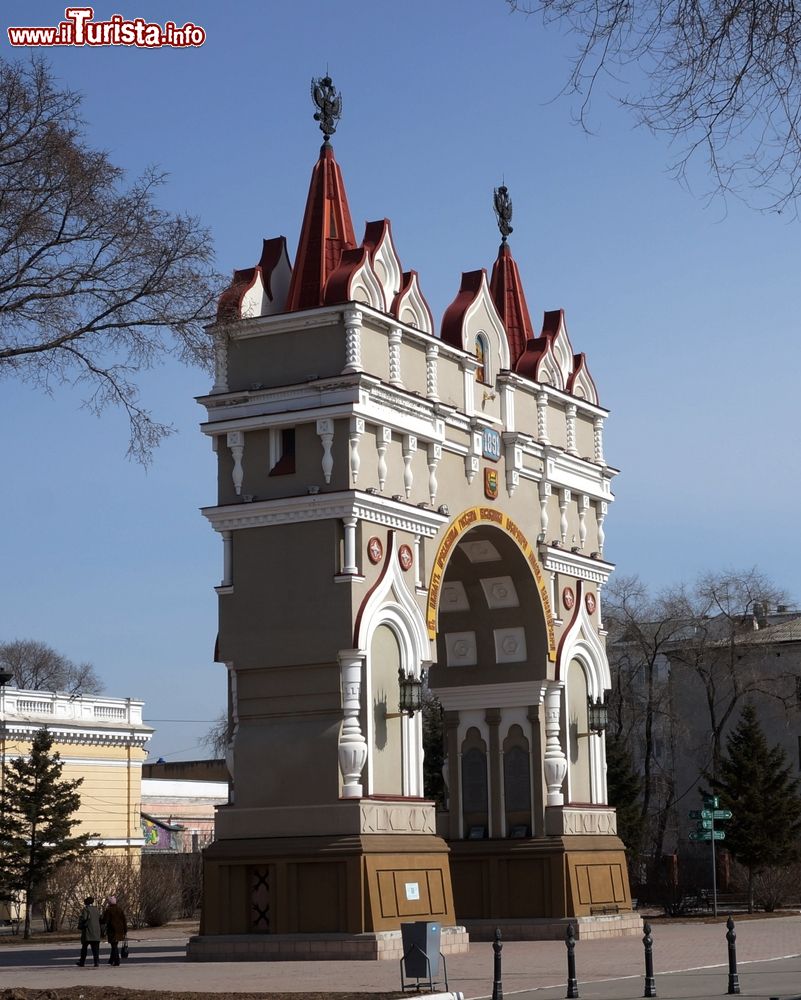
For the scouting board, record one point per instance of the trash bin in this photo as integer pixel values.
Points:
(421, 943)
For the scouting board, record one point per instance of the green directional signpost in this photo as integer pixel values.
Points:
(705, 831)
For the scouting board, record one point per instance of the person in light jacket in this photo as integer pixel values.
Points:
(89, 926)
(116, 927)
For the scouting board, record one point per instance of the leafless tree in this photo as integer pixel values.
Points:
(723, 79)
(218, 737)
(97, 283)
(35, 666)
(682, 667)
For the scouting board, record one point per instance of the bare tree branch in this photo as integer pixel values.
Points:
(721, 78)
(97, 283)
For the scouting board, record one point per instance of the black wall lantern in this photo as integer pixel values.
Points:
(598, 713)
(411, 692)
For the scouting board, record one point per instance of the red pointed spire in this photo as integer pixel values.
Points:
(327, 230)
(510, 301)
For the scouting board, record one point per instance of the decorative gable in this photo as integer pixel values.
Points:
(473, 316)
(581, 383)
(540, 364)
(354, 280)
(383, 257)
(553, 326)
(410, 306)
(259, 290)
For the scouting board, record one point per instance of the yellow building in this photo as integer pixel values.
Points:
(102, 740)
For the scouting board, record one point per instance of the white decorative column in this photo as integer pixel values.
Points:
(598, 440)
(434, 456)
(220, 362)
(350, 568)
(583, 507)
(383, 439)
(409, 448)
(555, 761)
(228, 559)
(542, 418)
(603, 506)
(418, 572)
(356, 431)
(325, 428)
(236, 442)
(564, 500)
(395, 358)
(472, 459)
(353, 341)
(570, 428)
(432, 352)
(469, 366)
(545, 493)
(514, 462)
(507, 391)
(352, 748)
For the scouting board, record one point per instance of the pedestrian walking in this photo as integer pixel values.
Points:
(116, 927)
(89, 926)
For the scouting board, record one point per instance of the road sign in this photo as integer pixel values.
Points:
(705, 824)
(708, 835)
(711, 802)
(702, 814)
(723, 814)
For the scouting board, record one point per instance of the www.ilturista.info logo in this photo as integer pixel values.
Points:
(79, 28)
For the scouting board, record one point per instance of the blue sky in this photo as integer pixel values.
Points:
(688, 311)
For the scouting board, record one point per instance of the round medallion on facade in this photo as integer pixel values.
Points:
(568, 598)
(590, 602)
(405, 557)
(375, 550)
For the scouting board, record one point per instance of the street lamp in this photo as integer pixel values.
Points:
(598, 714)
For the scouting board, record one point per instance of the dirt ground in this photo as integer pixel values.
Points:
(118, 993)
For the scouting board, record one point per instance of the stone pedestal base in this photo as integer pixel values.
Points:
(549, 878)
(333, 885)
(384, 945)
(547, 929)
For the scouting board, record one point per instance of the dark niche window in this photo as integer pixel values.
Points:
(282, 451)
(475, 809)
(517, 783)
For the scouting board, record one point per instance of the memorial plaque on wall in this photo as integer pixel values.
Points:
(517, 781)
(474, 781)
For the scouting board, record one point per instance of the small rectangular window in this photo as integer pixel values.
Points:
(282, 451)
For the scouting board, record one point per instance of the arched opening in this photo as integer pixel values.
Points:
(386, 759)
(475, 789)
(517, 783)
(482, 356)
(578, 735)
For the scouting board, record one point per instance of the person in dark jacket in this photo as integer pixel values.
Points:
(89, 926)
(116, 927)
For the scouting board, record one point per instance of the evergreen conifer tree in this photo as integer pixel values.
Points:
(37, 819)
(624, 788)
(755, 781)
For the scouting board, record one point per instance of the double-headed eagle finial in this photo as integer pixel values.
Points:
(328, 102)
(503, 211)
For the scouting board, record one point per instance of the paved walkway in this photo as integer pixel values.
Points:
(690, 961)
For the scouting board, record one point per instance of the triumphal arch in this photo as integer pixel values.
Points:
(398, 498)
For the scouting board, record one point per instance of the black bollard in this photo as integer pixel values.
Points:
(649, 989)
(497, 983)
(734, 979)
(570, 942)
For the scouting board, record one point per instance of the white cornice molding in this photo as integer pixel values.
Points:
(326, 506)
(574, 564)
(579, 474)
(511, 695)
(74, 734)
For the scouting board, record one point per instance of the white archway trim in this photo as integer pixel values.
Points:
(582, 643)
(392, 604)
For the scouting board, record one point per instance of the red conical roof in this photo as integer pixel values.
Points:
(510, 301)
(327, 230)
